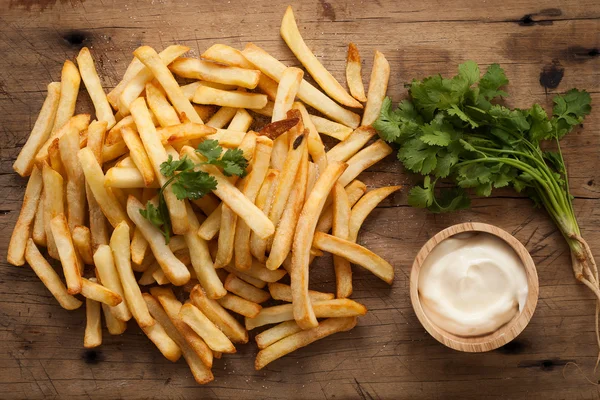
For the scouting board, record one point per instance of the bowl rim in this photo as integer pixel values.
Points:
(505, 333)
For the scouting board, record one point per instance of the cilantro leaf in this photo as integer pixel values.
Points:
(417, 156)
(193, 184)
(210, 149)
(234, 163)
(569, 110)
(169, 167)
(469, 71)
(491, 82)
(449, 199)
(541, 127)
(159, 217)
(153, 214)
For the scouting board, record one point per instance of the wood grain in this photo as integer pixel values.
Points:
(546, 47)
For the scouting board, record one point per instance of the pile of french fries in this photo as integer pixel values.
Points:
(88, 181)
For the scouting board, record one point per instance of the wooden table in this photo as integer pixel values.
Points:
(545, 46)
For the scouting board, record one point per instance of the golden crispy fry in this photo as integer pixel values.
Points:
(49, 277)
(82, 239)
(205, 111)
(38, 232)
(53, 204)
(291, 35)
(54, 159)
(222, 117)
(114, 135)
(110, 152)
(194, 68)
(69, 89)
(273, 68)
(98, 223)
(280, 291)
(330, 128)
(237, 286)
(226, 237)
(75, 187)
(134, 67)
(335, 308)
(138, 155)
(211, 225)
(93, 324)
(207, 204)
(355, 254)
(267, 110)
(206, 329)
(286, 93)
(40, 133)
(109, 276)
(224, 98)
(261, 272)
(184, 132)
(355, 190)
(303, 312)
(110, 206)
(257, 283)
(228, 138)
(276, 333)
(239, 305)
(341, 216)
(354, 74)
(316, 149)
(264, 199)
(364, 159)
(119, 244)
(22, 230)
(126, 177)
(364, 206)
(352, 144)
(158, 103)
(94, 291)
(380, 75)
(77, 123)
(242, 120)
(301, 339)
(68, 257)
(94, 87)
(114, 325)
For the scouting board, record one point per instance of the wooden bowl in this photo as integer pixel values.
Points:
(505, 333)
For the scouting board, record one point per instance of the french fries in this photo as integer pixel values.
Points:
(93, 324)
(303, 312)
(97, 220)
(355, 254)
(222, 117)
(276, 333)
(316, 149)
(42, 128)
(364, 206)
(158, 103)
(246, 291)
(94, 87)
(330, 128)
(348, 147)
(75, 187)
(53, 204)
(242, 120)
(138, 155)
(194, 68)
(282, 292)
(354, 74)
(380, 75)
(291, 35)
(77, 123)
(82, 239)
(213, 336)
(114, 326)
(225, 98)
(69, 89)
(239, 305)
(341, 215)
(107, 272)
(22, 229)
(66, 250)
(364, 159)
(94, 291)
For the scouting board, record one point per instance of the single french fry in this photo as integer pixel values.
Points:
(205, 111)
(364, 206)
(330, 128)
(114, 134)
(316, 149)
(364, 159)
(219, 316)
(66, 251)
(138, 83)
(110, 206)
(264, 200)
(355, 190)
(54, 159)
(172, 307)
(93, 324)
(207, 204)
(245, 290)
(126, 177)
(134, 67)
(138, 155)
(22, 230)
(286, 93)
(276, 333)
(224, 98)
(257, 283)
(194, 68)
(206, 329)
(82, 239)
(53, 204)
(94, 291)
(239, 305)
(110, 152)
(157, 155)
(114, 325)
(211, 225)
(280, 291)
(94, 87)
(301, 339)
(347, 148)
(241, 122)
(147, 277)
(273, 68)
(260, 272)
(380, 75)
(77, 123)
(119, 244)
(184, 132)
(226, 239)
(228, 138)
(291, 35)
(335, 308)
(303, 312)
(69, 89)
(40, 133)
(97, 220)
(49, 277)
(110, 278)
(75, 186)
(341, 216)
(38, 232)
(158, 103)
(222, 117)
(355, 254)
(284, 234)
(354, 74)
(251, 188)
(138, 247)
(267, 110)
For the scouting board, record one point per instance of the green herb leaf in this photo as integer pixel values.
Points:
(193, 185)
(210, 149)
(169, 167)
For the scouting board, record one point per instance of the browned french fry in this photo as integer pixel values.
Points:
(119, 244)
(280, 291)
(22, 230)
(134, 67)
(82, 239)
(291, 35)
(194, 68)
(242, 120)
(246, 291)
(53, 204)
(94, 291)
(301, 339)
(330, 128)
(226, 239)
(341, 216)
(69, 89)
(239, 305)
(336, 308)
(138, 247)
(66, 251)
(114, 135)
(138, 155)
(38, 232)
(77, 123)
(114, 325)
(245, 277)
(109, 276)
(264, 200)
(273, 68)
(93, 324)
(380, 75)
(98, 223)
(352, 144)
(364, 206)
(276, 333)
(355, 190)
(158, 103)
(94, 87)
(354, 74)
(206, 329)
(355, 254)
(224, 98)
(303, 312)
(110, 152)
(278, 128)
(75, 187)
(364, 159)
(40, 133)
(219, 316)
(54, 159)
(49, 277)
(316, 149)
(184, 132)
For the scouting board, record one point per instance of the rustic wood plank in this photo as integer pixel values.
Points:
(389, 354)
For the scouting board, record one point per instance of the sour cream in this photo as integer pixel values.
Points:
(472, 283)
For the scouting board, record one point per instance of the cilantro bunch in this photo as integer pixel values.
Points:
(189, 182)
(456, 129)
